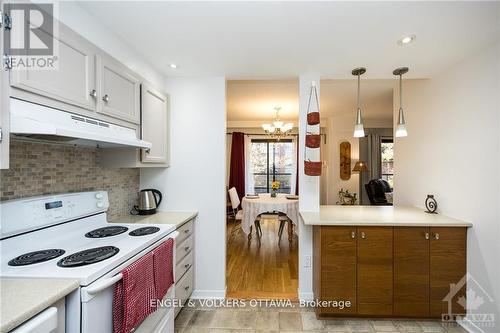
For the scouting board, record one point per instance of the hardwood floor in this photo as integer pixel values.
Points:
(261, 270)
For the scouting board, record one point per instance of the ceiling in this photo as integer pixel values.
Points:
(284, 39)
(254, 100)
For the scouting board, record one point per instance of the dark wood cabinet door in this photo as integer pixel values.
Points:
(338, 268)
(447, 266)
(411, 271)
(375, 270)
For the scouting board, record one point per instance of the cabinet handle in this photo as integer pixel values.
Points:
(105, 98)
(186, 231)
(427, 235)
(186, 265)
(186, 248)
(148, 151)
(363, 235)
(436, 236)
(186, 288)
(353, 234)
(93, 93)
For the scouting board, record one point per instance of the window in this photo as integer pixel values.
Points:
(387, 159)
(272, 160)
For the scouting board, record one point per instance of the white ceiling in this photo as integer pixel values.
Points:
(254, 100)
(285, 39)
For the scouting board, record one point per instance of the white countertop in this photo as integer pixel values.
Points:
(403, 216)
(21, 299)
(176, 218)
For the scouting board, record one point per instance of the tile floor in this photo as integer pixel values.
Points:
(266, 319)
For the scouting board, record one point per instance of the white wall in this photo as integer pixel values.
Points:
(78, 19)
(196, 178)
(453, 151)
(309, 190)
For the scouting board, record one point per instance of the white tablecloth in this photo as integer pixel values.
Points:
(263, 204)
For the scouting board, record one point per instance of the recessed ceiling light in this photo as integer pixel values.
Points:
(407, 40)
(174, 66)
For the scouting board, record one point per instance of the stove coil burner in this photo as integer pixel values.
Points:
(36, 257)
(144, 231)
(87, 257)
(106, 232)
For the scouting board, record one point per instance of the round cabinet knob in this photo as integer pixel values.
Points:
(100, 205)
(93, 93)
(363, 235)
(105, 98)
(436, 236)
(99, 196)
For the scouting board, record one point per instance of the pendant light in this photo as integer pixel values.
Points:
(359, 130)
(401, 126)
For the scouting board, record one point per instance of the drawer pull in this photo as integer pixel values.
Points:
(186, 248)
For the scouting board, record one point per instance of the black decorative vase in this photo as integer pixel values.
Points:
(431, 204)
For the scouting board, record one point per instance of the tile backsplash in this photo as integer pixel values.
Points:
(40, 169)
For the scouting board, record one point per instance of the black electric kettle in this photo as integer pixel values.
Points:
(149, 200)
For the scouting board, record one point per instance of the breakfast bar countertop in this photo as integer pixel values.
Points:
(176, 218)
(403, 216)
(24, 298)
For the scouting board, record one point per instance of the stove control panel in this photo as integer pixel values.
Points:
(28, 214)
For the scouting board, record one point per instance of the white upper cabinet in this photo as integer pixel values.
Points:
(154, 124)
(119, 90)
(73, 82)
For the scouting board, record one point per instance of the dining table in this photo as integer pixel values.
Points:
(264, 203)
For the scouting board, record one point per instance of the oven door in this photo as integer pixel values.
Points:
(97, 302)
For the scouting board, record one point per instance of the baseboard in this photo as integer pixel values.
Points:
(208, 294)
(306, 295)
(469, 326)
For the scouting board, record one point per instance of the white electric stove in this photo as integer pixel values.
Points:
(67, 236)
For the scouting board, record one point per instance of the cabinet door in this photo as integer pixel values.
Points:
(411, 271)
(119, 90)
(73, 80)
(447, 266)
(338, 268)
(154, 124)
(4, 108)
(375, 270)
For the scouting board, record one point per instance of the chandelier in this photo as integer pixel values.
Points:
(277, 129)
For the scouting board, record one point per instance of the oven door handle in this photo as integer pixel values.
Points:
(104, 284)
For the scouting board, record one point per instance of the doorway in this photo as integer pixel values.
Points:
(261, 253)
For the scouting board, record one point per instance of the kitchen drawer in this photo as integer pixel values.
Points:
(184, 287)
(183, 266)
(183, 248)
(185, 231)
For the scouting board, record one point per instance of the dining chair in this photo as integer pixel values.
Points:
(238, 214)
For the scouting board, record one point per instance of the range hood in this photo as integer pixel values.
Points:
(41, 123)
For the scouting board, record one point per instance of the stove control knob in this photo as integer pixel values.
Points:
(100, 205)
(98, 196)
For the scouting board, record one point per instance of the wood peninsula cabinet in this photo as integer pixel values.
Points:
(397, 269)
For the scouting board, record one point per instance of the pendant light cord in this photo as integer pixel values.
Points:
(400, 91)
(359, 88)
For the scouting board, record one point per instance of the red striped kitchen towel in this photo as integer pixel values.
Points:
(164, 267)
(133, 294)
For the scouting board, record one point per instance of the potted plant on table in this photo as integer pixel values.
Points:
(275, 186)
